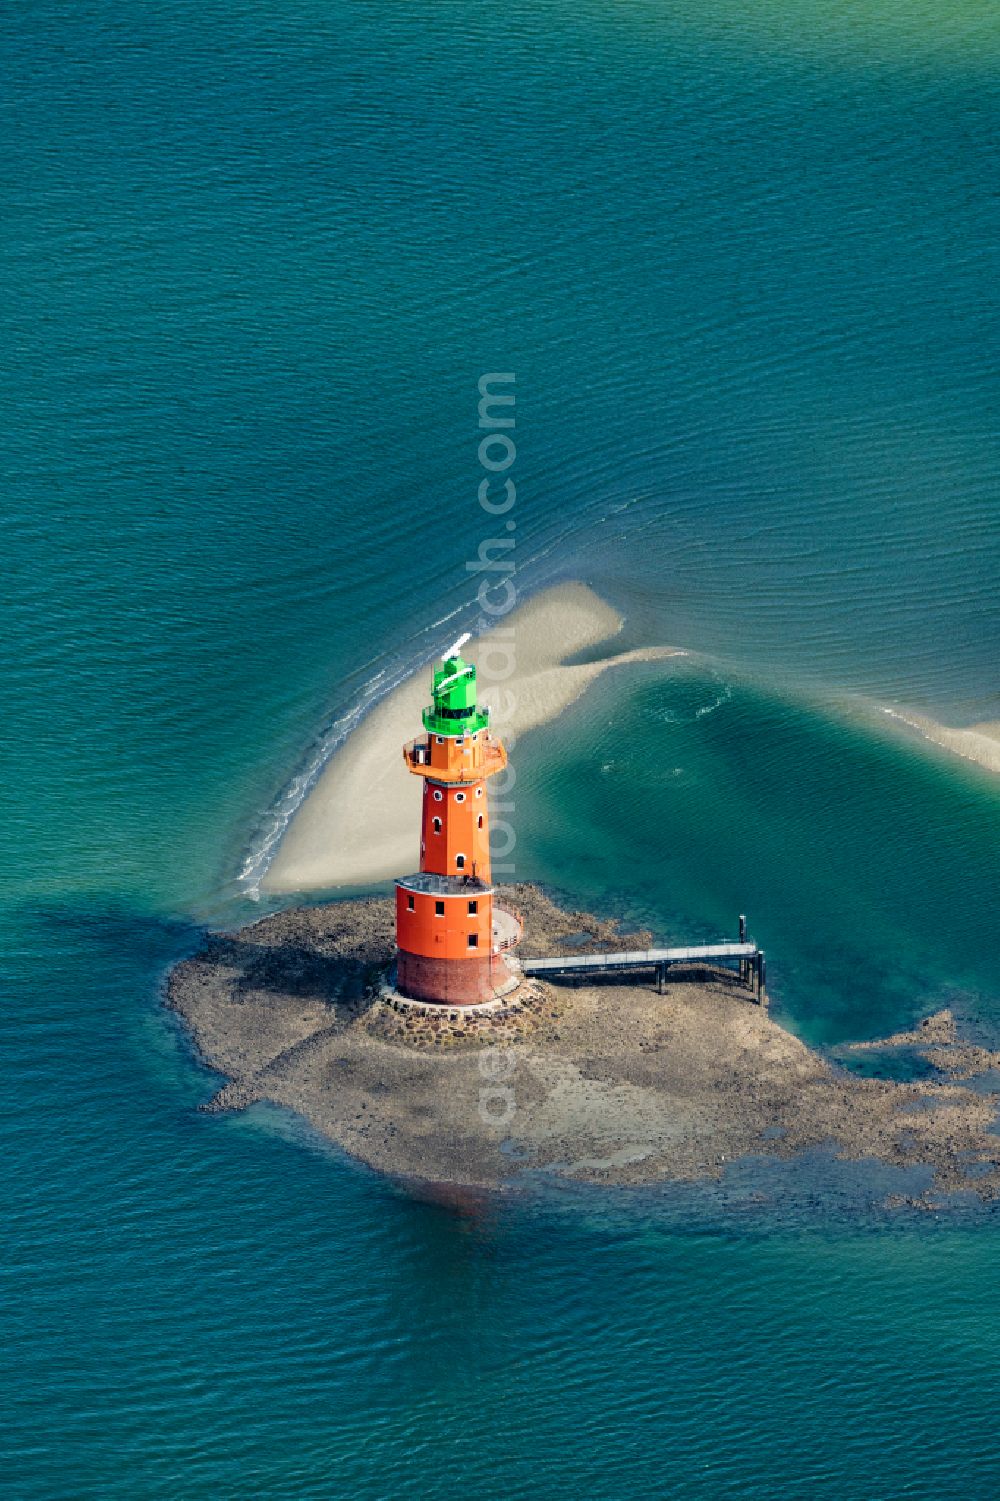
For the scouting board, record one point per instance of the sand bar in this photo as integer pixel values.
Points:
(977, 742)
(366, 785)
(525, 679)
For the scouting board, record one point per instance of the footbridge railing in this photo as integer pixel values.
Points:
(749, 959)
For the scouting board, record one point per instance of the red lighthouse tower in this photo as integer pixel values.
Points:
(450, 936)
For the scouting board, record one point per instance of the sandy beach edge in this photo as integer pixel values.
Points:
(528, 680)
(524, 676)
(979, 743)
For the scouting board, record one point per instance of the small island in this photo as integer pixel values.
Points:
(467, 1033)
(608, 1083)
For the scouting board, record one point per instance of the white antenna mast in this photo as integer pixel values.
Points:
(453, 651)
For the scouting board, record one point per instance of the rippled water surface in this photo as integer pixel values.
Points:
(742, 261)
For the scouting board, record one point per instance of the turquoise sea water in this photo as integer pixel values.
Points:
(257, 256)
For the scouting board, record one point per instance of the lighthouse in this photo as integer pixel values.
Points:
(451, 935)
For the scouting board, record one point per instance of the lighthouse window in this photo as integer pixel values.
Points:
(438, 794)
(437, 825)
(480, 820)
(473, 908)
(479, 792)
(439, 909)
(460, 741)
(460, 797)
(473, 940)
(439, 739)
(409, 904)
(460, 861)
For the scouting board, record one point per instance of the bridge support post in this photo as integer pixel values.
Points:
(762, 993)
(744, 967)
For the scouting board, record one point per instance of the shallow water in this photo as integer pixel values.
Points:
(866, 864)
(257, 259)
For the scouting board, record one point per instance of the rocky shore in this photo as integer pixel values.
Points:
(611, 1083)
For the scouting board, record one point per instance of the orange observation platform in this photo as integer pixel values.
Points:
(452, 936)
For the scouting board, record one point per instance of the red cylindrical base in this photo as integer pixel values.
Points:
(447, 982)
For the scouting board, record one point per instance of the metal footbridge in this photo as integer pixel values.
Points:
(749, 959)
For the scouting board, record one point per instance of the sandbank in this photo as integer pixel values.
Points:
(977, 742)
(524, 678)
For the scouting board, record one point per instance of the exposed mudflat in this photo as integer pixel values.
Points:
(610, 1083)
